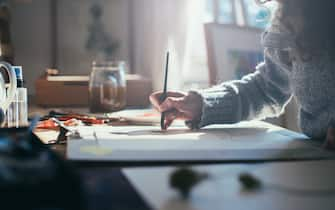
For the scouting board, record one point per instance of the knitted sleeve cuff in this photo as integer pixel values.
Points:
(219, 107)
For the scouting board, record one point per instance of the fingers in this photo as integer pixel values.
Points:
(177, 105)
(172, 103)
(157, 103)
(155, 97)
(174, 114)
(171, 116)
(167, 124)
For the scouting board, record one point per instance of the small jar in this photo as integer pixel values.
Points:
(107, 87)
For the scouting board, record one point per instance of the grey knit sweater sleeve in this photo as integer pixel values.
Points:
(261, 94)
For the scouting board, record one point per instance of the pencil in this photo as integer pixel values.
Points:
(164, 94)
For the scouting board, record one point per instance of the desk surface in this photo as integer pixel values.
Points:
(223, 191)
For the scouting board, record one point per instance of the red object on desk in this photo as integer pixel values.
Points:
(47, 124)
(68, 121)
(84, 119)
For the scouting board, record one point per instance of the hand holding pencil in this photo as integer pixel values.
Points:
(176, 105)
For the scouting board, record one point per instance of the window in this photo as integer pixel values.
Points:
(258, 16)
(225, 11)
(239, 12)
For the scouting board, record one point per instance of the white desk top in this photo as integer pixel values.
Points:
(223, 191)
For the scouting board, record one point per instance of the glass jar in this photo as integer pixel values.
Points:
(107, 87)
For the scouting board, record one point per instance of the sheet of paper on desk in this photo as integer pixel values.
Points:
(245, 141)
(135, 115)
(46, 136)
(141, 117)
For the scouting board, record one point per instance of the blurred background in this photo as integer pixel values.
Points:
(63, 34)
(209, 40)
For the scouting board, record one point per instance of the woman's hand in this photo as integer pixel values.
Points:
(178, 105)
(330, 139)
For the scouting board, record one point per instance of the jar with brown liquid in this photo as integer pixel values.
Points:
(107, 87)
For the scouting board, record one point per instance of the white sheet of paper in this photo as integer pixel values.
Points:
(244, 141)
(213, 138)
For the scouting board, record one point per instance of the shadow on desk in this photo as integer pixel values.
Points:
(108, 189)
